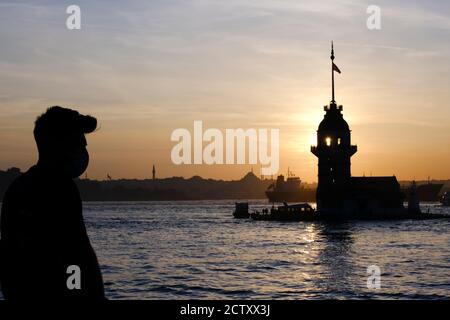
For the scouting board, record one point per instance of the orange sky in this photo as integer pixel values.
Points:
(146, 69)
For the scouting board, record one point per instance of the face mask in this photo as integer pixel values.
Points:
(77, 164)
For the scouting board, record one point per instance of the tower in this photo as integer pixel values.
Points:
(333, 151)
(154, 172)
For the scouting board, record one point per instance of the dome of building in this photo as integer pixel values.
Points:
(333, 121)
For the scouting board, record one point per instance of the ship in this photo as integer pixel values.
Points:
(288, 190)
(427, 192)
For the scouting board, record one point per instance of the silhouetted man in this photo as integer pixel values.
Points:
(42, 227)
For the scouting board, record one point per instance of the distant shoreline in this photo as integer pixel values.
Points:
(249, 187)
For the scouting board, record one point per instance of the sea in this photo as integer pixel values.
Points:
(197, 250)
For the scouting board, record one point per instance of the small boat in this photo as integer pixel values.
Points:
(294, 212)
(241, 210)
(445, 199)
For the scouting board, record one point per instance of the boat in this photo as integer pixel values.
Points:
(294, 212)
(429, 192)
(282, 190)
(241, 210)
(445, 199)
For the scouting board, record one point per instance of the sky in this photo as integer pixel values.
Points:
(147, 68)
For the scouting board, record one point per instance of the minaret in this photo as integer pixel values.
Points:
(154, 172)
(333, 151)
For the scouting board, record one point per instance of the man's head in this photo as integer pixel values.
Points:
(59, 135)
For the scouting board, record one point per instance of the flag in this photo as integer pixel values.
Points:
(335, 68)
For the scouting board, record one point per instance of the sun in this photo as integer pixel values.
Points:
(312, 139)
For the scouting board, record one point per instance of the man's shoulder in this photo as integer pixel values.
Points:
(23, 184)
(37, 186)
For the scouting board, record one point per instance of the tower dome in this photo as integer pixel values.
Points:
(333, 120)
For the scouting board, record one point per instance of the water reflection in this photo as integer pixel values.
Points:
(334, 258)
(196, 250)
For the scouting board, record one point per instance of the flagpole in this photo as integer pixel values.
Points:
(332, 73)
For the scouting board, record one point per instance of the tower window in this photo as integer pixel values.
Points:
(339, 141)
(328, 141)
